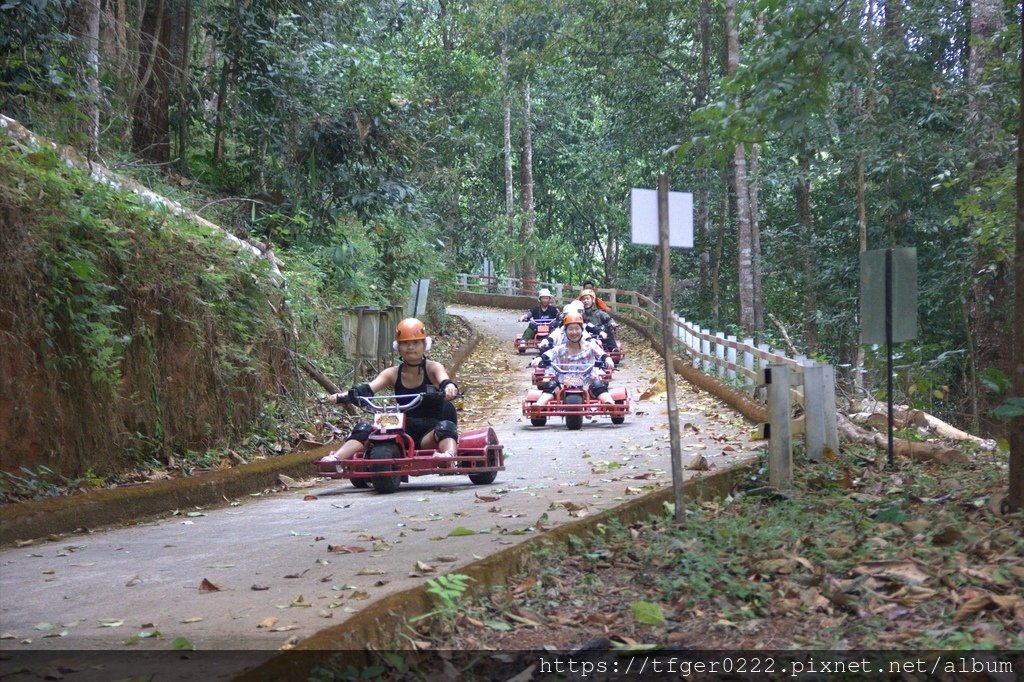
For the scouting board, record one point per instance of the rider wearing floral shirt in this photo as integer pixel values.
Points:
(576, 356)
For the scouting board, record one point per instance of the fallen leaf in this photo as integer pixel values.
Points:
(207, 586)
(267, 623)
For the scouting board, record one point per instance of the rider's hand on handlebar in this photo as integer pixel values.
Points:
(338, 398)
(609, 363)
(522, 318)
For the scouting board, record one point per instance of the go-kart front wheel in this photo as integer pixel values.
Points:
(574, 422)
(622, 418)
(538, 421)
(384, 484)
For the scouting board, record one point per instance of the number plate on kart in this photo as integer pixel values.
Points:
(389, 421)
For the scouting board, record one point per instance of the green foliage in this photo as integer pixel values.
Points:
(447, 591)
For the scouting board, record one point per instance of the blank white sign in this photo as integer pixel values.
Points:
(643, 217)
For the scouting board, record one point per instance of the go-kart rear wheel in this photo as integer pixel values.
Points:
(574, 422)
(538, 421)
(522, 349)
(485, 477)
(360, 482)
(384, 484)
(622, 419)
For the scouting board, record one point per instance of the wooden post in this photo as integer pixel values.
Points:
(748, 363)
(828, 377)
(705, 349)
(666, 339)
(720, 353)
(762, 393)
(730, 357)
(780, 442)
(814, 411)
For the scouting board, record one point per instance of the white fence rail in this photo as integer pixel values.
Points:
(734, 361)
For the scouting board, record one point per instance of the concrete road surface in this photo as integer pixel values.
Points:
(268, 569)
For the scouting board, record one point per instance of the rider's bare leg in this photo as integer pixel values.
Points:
(544, 398)
(347, 450)
(447, 446)
(606, 398)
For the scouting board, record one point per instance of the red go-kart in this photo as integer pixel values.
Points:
(538, 378)
(390, 456)
(573, 401)
(542, 328)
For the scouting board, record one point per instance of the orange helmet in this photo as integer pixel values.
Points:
(410, 329)
(588, 292)
(572, 318)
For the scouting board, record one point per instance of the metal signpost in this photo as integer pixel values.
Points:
(418, 298)
(888, 307)
(674, 220)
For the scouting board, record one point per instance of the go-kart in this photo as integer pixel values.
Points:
(573, 401)
(542, 328)
(611, 345)
(538, 379)
(390, 455)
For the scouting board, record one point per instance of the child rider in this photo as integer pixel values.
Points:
(431, 424)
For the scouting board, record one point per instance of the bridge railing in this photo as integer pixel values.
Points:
(740, 362)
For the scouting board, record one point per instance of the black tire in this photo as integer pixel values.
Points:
(485, 477)
(538, 421)
(385, 484)
(360, 482)
(622, 419)
(522, 349)
(574, 422)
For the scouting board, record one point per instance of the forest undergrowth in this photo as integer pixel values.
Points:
(856, 555)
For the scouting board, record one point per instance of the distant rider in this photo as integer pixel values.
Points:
(575, 356)
(601, 305)
(544, 313)
(557, 335)
(433, 423)
(599, 323)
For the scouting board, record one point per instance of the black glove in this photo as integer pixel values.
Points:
(359, 390)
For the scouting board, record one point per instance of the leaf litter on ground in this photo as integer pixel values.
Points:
(855, 556)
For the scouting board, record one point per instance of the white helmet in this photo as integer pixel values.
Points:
(572, 307)
(544, 292)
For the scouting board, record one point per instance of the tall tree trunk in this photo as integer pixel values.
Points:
(755, 229)
(220, 120)
(184, 108)
(865, 108)
(986, 322)
(745, 247)
(703, 197)
(506, 147)
(526, 183)
(716, 262)
(802, 191)
(1015, 495)
(151, 112)
(88, 20)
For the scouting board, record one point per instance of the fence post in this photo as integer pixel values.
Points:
(558, 293)
(720, 354)
(762, 393)
(780, 440)
(463, 281)
(829, 398)
(748, 363)
(814, 411)
(705, 349)
(730, 356)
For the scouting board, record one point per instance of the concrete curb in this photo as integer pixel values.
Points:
(377, 627)
(133, 504)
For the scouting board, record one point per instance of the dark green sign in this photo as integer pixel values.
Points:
(900, 271)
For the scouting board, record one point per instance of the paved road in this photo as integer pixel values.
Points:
(317, 561)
